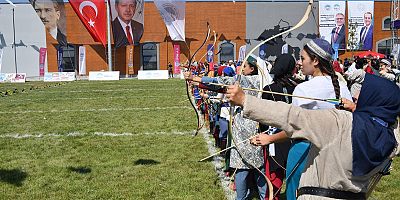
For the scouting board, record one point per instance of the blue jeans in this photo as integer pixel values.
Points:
(223, 127)
(243, 190)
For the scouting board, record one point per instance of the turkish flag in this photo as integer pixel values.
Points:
(93, 15)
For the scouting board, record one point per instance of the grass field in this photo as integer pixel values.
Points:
(126, 139)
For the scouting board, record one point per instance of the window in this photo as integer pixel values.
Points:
(385, 46)
(226, 51)
(68, 58)
(150, 56)
(386, 23)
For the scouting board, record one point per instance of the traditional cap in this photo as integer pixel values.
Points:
(230, 61)
(228, 71)
(321, 47)
(252, 59)
(386, 61)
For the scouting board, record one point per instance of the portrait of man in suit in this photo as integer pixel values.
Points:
(49, 11)
(126, 31)
(338, 33)
(366, 33)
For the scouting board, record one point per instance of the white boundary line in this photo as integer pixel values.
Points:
(110, 90)
(94, 98)
(94, 110)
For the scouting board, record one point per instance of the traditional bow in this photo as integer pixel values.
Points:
(299, 24)
(199, 126)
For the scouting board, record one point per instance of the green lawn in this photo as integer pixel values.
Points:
(127, 139)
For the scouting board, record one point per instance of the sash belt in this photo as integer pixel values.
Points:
(331, 193)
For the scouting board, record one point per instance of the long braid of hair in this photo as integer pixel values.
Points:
(326, 67)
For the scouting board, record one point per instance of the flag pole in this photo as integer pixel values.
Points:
(109, 37)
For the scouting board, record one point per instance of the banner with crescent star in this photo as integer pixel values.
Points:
(92, 13)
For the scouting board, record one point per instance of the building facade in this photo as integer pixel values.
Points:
(236, 24)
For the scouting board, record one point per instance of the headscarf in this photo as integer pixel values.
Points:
(284, 65)
(373, 139)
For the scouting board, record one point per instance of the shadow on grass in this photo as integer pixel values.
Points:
(13, 176)
(80, 170)
(146, 162)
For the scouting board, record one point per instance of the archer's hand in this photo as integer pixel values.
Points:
(188, 75)
(348, 105)
(261, 140)
(235, 95)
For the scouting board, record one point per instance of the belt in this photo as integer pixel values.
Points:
(331, 193)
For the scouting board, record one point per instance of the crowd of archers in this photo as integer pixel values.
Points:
(326, 129)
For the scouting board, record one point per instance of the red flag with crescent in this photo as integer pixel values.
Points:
(92, 13)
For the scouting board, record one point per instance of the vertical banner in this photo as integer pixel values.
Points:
(42, 60)
(82, 60)
(177, 59)
(1, 58)
(242, 53)
(60, 59)
(361, 26)
(173, 14)
(52, 14)
(210, 56)
(262, 51)
(332, 25)
(129, 59)
(127, 21)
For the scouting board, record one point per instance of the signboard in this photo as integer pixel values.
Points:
(103, 76)
(59, 76)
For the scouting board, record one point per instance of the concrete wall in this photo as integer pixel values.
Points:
(29, 36)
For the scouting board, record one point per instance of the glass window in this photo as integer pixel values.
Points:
(68, 58)
(386, 23)
(385, 46)
(149, 56)
(227, 51)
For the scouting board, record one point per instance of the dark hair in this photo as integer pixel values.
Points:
(375, 64)
(255, 71)
(326, 67)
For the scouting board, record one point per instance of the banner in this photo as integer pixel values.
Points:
(177, 59)
(92, 13)
(1, 58)
(210, 56)
(127, 21)
(52, 14)
(82, 60)
(60, 59)
(13, 77)
(173, 14)
(59, 76)
(242, 53)
(129, 59)
(332, 25)
(361, 26)
(262, 51)
(42, 60)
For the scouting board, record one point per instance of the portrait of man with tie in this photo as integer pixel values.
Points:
(366, 32)
(126, 31)
(338, 33)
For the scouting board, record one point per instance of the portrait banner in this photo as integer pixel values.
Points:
(42, 60)
(173, 14)
(127, 21)
(52, 14)
(177, 59)
(361, 25)
(82, 60)
(332, 25)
